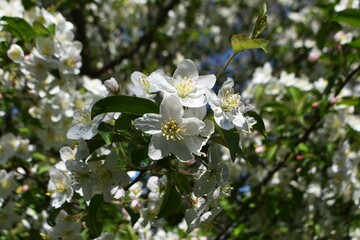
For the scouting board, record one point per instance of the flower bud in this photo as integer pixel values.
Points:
(15, 53)
(112, 86)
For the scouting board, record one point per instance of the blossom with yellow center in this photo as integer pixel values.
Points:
(185, 83)
(59, 187)
(172, 132)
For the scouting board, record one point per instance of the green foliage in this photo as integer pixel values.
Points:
(350, 16)
(241, 42)
(19, 28)
(124, 104)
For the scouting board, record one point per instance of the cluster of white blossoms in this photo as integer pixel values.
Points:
(181, 129)
(183, 132)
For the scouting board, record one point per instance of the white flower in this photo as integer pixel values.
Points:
(172, 133)
(243, 123)
(108, 177)
(95, 86)
(9, 144)
(7, 185)
(85, 128)
(66, 227)
(16, 53)
(142, 85)
(186, 84)
(59, 187)
(70, 58)
(83, 180)
(8, 216)
(225, 104)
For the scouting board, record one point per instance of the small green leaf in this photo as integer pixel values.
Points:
(124, 121)
(274, 107)
(171, 200)
(355, 43)
(40, 30)
(260, 23)
(295, 94)
(124, 104)
(182, 183)
(92, 222)
(230, 139)
(349, 101)
(350, 16)
(240, 42)
(105, 130)
(18, 27)
(52, 29)
(39, 156)
(259, 126)
(98, 141)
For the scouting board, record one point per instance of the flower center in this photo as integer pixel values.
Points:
(184, 86)
(85, 117)
(5, 184)
(171, 130)
(145, 83)
(230, 101)
(60, 186)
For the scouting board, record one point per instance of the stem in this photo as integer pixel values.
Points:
(221, 71)
(142, 173)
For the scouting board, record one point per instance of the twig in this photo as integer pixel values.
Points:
(147, 38)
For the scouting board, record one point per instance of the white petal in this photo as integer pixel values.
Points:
(192, 125)
(158, 147)
(161, 83)
(149, 123)
(171, 108)
(186, 68)
(194, 101)
(206, 81)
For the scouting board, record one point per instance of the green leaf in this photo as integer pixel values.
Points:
(349, 101)
(274, 106)
(18, 27)
(230, 139)
(259, 126)
(52, 29)
(124, 121)
(171, 200)
(260, 23)
(40, 30)
(39, 156)
(295, 94)
(124, 104)
(240, 42)
(98, 141)
(182, 183)
(105, 130)
(94, 226)
(350, 16)
(355, 43)
(28, 4)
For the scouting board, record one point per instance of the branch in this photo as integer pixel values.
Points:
(146, 39)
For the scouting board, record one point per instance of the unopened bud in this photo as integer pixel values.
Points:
(112, 86)
(15, 53)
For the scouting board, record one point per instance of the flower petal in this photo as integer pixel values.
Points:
(171, 108)
(186, 68)
(149, 123)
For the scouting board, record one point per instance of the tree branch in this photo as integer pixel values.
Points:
(146, 39)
